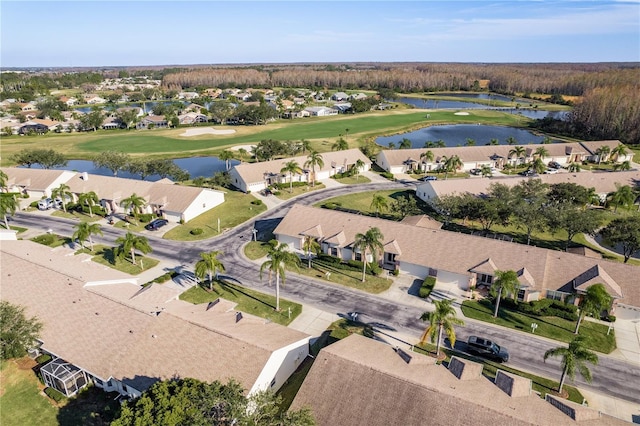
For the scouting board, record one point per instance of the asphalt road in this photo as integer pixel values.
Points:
(611, 376)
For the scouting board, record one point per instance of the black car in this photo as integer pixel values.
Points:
(554, 165)
(156, 224)
(487, 349)
(426, 178)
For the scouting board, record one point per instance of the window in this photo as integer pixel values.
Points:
(389, 257)
(555, 295)
(521, 295)
(358, 256)
(334, 251)
(485, 279)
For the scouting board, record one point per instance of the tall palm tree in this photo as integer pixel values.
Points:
(573, 357)
(620, 167)
(485, 170)
(506, 283)
(619, 151)
(379, 203)
(405, 143)
(90, 199)
(511, 140)
(3, 181)
(603, 153)
(443, 318)
(340, 145)
(623, 196)
(517, 152)
(494, 141)
(279, 258)
(8, 207)
(129, 244)
(134, 203)
(226, 156)
(305, 146)
(595, 300)
(84, 231)
(310, 245)
(314, 159)
(63, 193)
(370, 241)
(427, 155)
(538, 165)
(209, 265)
(451, 164)
(575, 167)
(470, 142)
(541, 152)
(242, 152)
(358, 165)
(291, 167)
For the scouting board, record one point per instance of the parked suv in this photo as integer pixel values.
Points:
(156, 224)
(47, 203)
(487, 349)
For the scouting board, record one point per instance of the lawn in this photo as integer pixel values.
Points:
(167, 143)
(284, 193)
(361, 202)
(249, 301)
(20, 398)
(345, 277)
(51, 240)
(236, 209)
(550, 327)
(105, 256)
(84, 217)
(256, 249)
(354, 180)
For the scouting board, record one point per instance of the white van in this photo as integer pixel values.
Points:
(45, 204)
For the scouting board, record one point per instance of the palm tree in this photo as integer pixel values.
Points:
(538, 166)
(3, 181)
(209, 265)
(8, 207)
(340, 145)
(511, 140)
(90, 199)
(242, 152)
(625, 165)
(226, 156)
(84, 231)
(279, 258)
(63, 193)
(575, 167)
(618, 151)
(314, 159)
(494, 141)
(442, 318)
(517, 152)
(470, 142)
(595, 300)
(485, 170)
(428, 155)
(379, 203)
(602, 152)
(541, 152)
(405, 143)
(305, 146)
(291, 167)
(134, 203)
(359, 165)
(369, 241)
(623, 196)
(506, 283)
(129, 244)
(574, 357)
(451, 164)
(310, 244)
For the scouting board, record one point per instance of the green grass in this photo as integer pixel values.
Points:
(21, 401)
(51, 240)
(550, 327)
(347, 278)
(284, 193)
(105, 256)
(256, 249)
(236, 209)
(76, 216)
(361, 202)
(249, 301)
(354, 180)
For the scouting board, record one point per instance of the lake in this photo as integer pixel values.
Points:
(457, 135)
(195, 166)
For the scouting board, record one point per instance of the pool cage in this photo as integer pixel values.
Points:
(63, 377)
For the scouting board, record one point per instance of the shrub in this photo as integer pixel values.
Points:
(257, 202)
(396, 272)
(34, 204)
(387, 175)
(43, 359)
(54, 394)
(286, 185)
(332, 206)
(427, 287)
(145, 217)
(330, 259)
(196, 231)
(610, 318)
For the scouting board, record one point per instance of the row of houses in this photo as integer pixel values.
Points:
(474, 157)
(132, 336)
(176, 203)
(463, 260)
(253, 177)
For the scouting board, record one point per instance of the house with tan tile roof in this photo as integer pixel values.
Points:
(602, 182)
(173, 202)
(366, 382)
(131, 337)
(461, 259)
(257, 176)
(474, 157)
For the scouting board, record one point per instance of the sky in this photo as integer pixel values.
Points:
(129, 33)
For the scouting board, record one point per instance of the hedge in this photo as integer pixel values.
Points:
(351, 265)
(286, 185)
(427, 287)
(544, 307)
(54, 394)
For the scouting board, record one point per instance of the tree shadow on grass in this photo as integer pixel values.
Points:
(108, 254)
(234, 290)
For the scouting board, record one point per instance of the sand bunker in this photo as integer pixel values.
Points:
(206, 131)
(248, 148)
(461, 113)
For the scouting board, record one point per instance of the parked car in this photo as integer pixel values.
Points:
(487, 349)
(475, 172)
(554, 165)
(527, 173)
(156, 224)
(551, 171)
(426, 178)
(47, 203)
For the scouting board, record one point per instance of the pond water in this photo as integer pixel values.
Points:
(457, 135)
(195, 166)
(617, 248)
